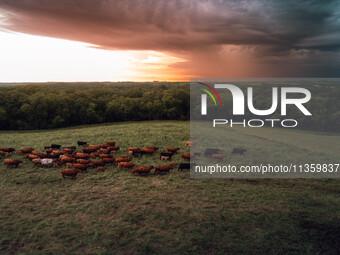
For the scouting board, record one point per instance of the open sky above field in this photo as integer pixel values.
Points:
(107, 40)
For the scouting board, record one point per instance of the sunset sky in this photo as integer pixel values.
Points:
(119, 40)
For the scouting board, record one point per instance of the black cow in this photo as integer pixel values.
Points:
(186, 166)
(166, 154)
(80, 143)
(239, 151)
(55, 146)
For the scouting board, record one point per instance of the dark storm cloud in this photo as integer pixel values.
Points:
(290, 29)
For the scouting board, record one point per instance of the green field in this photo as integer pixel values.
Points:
(117, 213)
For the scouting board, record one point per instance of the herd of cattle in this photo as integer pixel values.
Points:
(99, 156)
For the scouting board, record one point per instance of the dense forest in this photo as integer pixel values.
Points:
(68, 104)
(51, 106)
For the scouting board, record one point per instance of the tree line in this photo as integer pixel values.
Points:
(63, 105)
(42, 107)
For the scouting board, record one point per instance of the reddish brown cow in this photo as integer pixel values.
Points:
(105, 156)
(82, 155)
(31, 156)
(131, 149)
(98, 163)
(119, 160)
(66, 159)
(89, 149)
(94, 155)
(126, 164)
(36, 161)
(142, 170)
(111, 143)
(83, 161)
(55, 153)
(186, 156)
(69, 172)
(48, 150)
(163, 169)
(104, 151)
(81, 167)
(109, 160)
(68, 150)
(113, 148)
(189, 144)
(152, 148)
(171, 149)
(173, 165)
(12, 162)
(26, 150)
(148, 151)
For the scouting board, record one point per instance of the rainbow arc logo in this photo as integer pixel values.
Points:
(209, 93)
(204, 97)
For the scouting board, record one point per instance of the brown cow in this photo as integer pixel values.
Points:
(12, 162)
(163, 169)
(113, 148)
(152, 148)
(36, 161)
(48, 150)
(89, 149)
(164, 158)
(98, 163)
(82, 155)
(171, 149)
(131, 149)
(68, 150)
(69, 172)
(31, 156)
(187, 156)
(126, 164)
(109, 160)
(173, 165)
(118, 160)
(105, 156)
(148, 151)
(83, 161)
(65, 159)
(81, 167)
(94, 154)
(26, 150)
(142, 170)
(55, 153)
(189, 144)
(104, 151)
(111, 143)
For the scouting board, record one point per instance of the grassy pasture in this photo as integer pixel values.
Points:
(116, 213)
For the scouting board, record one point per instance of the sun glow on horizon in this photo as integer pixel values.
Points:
(28, 58)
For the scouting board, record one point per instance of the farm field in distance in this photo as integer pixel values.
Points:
(117, 213)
